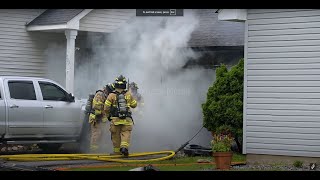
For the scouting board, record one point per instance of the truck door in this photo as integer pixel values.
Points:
(61, 117)
(25, 113)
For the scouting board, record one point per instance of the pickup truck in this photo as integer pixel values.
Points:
(39, 111)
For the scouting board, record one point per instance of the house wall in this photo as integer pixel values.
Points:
(22, 53)
(282, 86)
(105, 20)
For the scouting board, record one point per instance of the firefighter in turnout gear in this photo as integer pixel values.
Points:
(118, 105)
(97, 118)
(134, 91)
(133, 88)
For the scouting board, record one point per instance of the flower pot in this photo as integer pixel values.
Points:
(223, 160)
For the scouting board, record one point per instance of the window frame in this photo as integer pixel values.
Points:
(55, 85)
(24, 81)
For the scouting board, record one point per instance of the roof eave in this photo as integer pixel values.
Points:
(72, 24)
(46, 27)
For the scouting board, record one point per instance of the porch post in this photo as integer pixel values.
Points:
(71, 37)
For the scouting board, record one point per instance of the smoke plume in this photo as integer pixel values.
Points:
(152, 51)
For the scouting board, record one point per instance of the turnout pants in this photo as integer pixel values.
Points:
(96, 133)
(120, 136)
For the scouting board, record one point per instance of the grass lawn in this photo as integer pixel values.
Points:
(161, 168)
(175, 164)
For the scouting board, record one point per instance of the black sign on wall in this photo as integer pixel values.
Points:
(159, 12)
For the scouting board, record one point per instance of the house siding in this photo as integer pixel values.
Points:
(105, 20)
(22, 53)
(282, 88)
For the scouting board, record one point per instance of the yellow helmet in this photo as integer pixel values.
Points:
(110, 87)
(120, 82)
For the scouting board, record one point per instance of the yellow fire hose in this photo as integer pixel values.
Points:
(99, 157)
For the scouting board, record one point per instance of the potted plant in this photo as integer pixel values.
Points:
(221, 147)
(224, 103)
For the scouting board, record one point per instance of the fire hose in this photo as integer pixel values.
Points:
(99, 157)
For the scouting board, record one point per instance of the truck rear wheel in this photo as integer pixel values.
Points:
(54, 147)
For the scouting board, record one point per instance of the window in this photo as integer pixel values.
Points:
(22, 90)
(52, 92)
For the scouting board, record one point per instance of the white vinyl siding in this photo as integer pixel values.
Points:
(22, 52)
(105, 20)
(282, 102)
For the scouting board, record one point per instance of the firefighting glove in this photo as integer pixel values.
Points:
(104, 119)
(92, 118)
(97, 112)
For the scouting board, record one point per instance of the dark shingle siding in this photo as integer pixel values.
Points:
(55, 16)
(212, 32)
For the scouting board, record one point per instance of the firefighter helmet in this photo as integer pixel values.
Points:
(110, 87)
(120, 82)
(133, 85)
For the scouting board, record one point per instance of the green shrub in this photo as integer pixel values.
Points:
(298, 164)
(224, 104)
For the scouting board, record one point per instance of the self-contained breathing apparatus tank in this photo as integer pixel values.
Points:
(85, 132)
(89, 104)
(122, 106)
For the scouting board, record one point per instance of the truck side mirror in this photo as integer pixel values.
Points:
(70, 97)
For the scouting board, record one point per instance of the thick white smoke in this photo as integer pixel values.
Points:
(56, 63)
(151, 51)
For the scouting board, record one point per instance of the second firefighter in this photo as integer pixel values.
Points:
(97, 118)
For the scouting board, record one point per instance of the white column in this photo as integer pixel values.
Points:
(71, 37)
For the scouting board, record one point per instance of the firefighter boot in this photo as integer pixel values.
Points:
(124, 151)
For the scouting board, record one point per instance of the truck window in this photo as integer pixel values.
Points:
(22, 90)
(52, 92)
